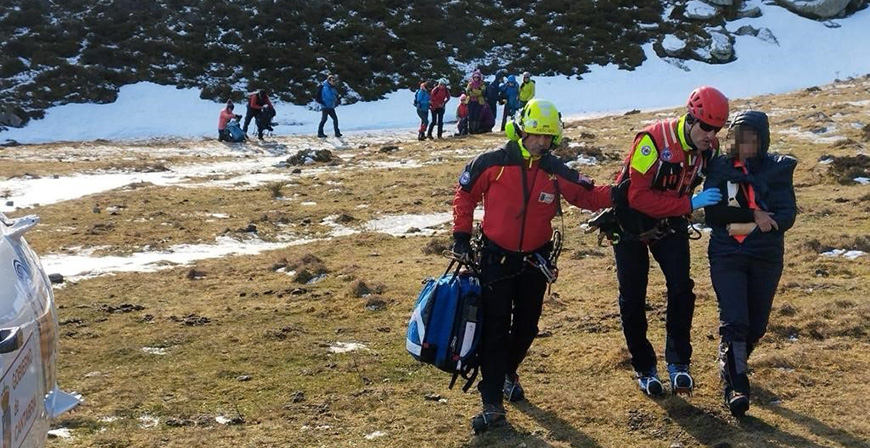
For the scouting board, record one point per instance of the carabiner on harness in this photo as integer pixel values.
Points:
(542, 264)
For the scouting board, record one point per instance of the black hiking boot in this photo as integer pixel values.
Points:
(321, 135)
(493, 416)
(737, 402)
(421, 136)
(338, 134)
(513, 391)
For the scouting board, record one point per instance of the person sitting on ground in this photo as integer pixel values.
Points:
(487, 120)
(746, 245)
(256, 102)
(225, 116)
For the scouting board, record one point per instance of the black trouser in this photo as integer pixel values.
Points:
(474, 111)
(744, 287)
(437, 117)
(223, 135)
(512, 298)
(250, 114)
(632, 271)
(324, 113)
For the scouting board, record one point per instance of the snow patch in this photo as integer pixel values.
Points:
(345, 347)
(850, 254)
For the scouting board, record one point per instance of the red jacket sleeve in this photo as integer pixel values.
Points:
(252, 102)
(592, 199)
(466, 199)
(656, 204)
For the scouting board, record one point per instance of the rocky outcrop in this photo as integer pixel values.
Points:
(8, 117)
(697, 10)
(821, 9)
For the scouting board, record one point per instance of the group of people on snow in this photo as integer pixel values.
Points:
(748, 197)
(476, 112)
(261, 110)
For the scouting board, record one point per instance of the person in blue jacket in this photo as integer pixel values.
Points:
(421, 102)
(492, 94)
(329, 99)
(510, 93)
(746, 246)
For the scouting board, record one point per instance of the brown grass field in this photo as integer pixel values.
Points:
(261, 361)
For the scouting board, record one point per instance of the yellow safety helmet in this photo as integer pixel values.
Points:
(536, 117)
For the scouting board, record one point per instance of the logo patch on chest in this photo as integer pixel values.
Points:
(546, 198)
(645, 150)
(666, 154)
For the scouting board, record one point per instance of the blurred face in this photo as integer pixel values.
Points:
(537, 144)
(526, 78)
(702, 134)
(744, 143)
(476, 77)
(331, 79)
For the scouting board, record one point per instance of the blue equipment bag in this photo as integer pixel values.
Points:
(235, 131)
(445, 326)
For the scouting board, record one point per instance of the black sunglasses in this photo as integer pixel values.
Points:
(708, 128)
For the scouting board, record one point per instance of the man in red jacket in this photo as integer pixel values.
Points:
(652, 199)
(521, 185)
(257, 101)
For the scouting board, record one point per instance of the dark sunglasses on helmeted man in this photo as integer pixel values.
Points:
(708, 128)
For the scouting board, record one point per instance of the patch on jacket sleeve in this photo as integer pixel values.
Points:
(465, 178)
(645, 155)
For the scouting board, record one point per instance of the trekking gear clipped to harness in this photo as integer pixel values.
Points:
(445, 326)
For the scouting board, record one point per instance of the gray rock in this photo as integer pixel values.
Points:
(10, 203)
(701, 11)
(721, 47)
(750, 12)
(55, 278)
(818, 9)
(8, 117)
(746, 30)
(720, 2)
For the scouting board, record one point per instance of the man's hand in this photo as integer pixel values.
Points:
(462, 245)
(764, 220)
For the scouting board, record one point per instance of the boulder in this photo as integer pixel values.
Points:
(816, 9)
(749, 12)
(720, 2)
(673, 45)
(8, 117)
(697, 10)
(720, 47)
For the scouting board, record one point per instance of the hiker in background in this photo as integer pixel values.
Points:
(462, 115)
(493, 93)
(746, 245)
(652, 199)
(328, 98)
(516, 243)
(527, 89)
(510, 93)
(487, 120)
(225, 116)
(256, 102)
(475, 99)
(438, 99)
(421, 102)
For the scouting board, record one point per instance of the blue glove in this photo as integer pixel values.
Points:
(710, 196)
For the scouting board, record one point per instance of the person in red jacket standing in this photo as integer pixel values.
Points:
(257, 101)
(521, 185)
(652, 199)
(438, 99)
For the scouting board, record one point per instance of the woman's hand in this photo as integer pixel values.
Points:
(764, 220)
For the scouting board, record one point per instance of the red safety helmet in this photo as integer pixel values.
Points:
(709, 106)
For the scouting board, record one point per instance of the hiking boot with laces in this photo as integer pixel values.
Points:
(513, 391)
(650, 383)
(493, 416)
(681, 381)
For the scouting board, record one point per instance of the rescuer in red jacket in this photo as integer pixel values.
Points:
(520, 185)
(652, 198)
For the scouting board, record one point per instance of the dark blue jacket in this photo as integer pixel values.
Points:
(493, 91)
(771, 177)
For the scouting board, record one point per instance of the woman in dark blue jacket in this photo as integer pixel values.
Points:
(746, 246)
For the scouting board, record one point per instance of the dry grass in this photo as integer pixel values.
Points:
(247, 342)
